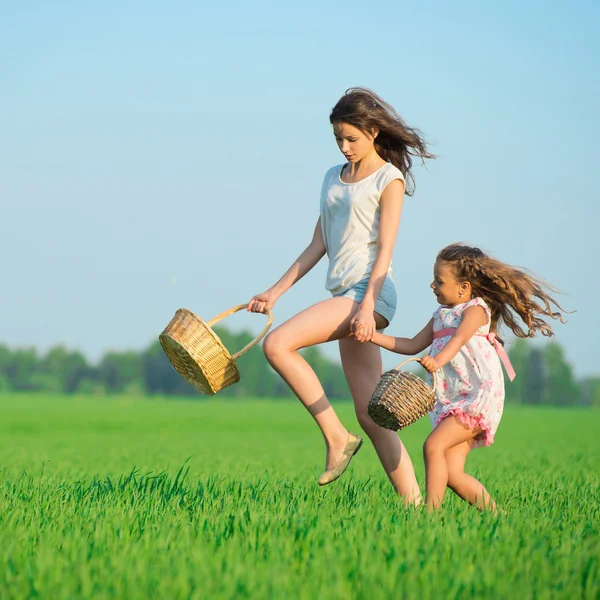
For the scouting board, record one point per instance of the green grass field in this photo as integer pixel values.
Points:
(124, 498)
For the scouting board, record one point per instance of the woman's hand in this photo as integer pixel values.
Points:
(429, 363)
(363, 325)
(262, 303)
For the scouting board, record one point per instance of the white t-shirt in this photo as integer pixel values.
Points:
(350, 215)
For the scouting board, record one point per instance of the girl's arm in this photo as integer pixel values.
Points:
(407, 346)
(312, 254)
(472, 319)
(363, 322)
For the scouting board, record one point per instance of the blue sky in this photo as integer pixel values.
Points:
(162, 155)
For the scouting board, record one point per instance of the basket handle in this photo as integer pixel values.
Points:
(255, 341)
(397, 368)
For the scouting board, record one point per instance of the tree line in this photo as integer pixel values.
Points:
(544, 375)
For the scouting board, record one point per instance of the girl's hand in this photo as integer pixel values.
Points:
(429, 363)
(262, 303)
(363, 325)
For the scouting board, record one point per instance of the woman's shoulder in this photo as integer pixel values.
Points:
(330, 178)
(334, 171)
(392, 169)
(386, 174)
(391, 172)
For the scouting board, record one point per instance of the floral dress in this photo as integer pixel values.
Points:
(471, 386)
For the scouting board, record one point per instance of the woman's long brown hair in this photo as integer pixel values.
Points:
(396, 142)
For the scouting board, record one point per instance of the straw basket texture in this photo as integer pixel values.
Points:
(198, 354)
(400, 398)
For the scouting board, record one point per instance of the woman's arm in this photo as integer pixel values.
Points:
(363, 323)
(408, 346)
(312, 254)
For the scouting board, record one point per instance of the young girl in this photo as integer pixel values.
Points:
(360, 207)
(476, 294)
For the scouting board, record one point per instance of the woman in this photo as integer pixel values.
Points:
(360, 208)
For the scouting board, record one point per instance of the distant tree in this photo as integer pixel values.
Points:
(536, 378)
(91, 387)
(562, 389)
(5, 366)
(66, 368)
(5, 358)
(590, 392)
(519, 354)
(22, 369)
(160, 377)
(119, 370)
(544, 376)
(4, 383)
(46, 382)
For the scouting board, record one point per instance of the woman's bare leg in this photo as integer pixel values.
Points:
(363, 368)
(323, 322)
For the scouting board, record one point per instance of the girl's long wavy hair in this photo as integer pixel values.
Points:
(506, 290)
(396, 142)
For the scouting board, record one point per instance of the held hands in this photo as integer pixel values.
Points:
(429, 363)
(262, 303)
(362, 325)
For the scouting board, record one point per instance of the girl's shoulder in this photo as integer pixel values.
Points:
(478, 302)
(457, 311)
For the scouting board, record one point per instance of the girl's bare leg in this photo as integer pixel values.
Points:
(448, 434)
(463, 484)
(363, 367)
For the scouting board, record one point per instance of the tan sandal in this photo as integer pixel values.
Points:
(352, 447)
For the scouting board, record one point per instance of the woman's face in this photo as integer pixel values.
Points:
(353, 143)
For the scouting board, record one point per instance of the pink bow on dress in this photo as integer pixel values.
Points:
(492, 339)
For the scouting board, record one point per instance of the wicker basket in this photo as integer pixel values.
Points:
(400, 398)
(198, 354)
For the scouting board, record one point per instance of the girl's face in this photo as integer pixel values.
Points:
(353, 143)
(447, 289)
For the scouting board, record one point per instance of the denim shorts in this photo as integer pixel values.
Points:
(385, 305)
